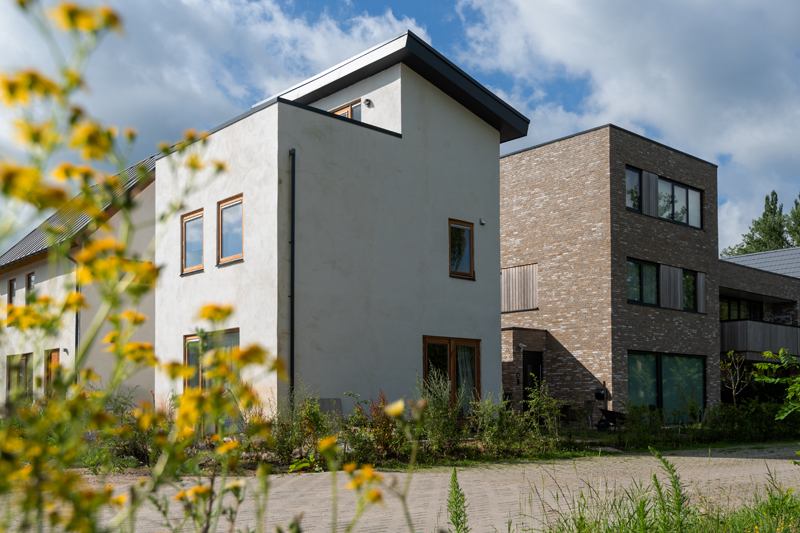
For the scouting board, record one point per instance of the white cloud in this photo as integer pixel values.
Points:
(194, 63)
(709, 78)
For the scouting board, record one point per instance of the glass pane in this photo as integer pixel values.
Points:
(232, 230)
(437, 358)
(650, 284)
(193, 235)
(642, 386)
(634, 281)
(465, 375)
(734, 309)
(723, 310)
(695, 209)
(680, 204)
(193, 361)
(682, 387)
(12, 291)
(632, 188)
(459, 249)
(31, 282)
(689, 290)
(356, 112)
(744, 307)
(664, 199)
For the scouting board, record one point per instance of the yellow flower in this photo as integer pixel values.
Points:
(180, 495)
(216, 313)
(368, 473)
(193, 162)
(95, 141)
(253, 354)
(42, 134)
(375, 496)
(120, 500)
(349, 468)
(19, 181)
(139, 353)
(18, 89)
(133, 317)
(228, 446)
(395, 409)
(75, 301)
(71, 17)
(198, 491)
(327, 443)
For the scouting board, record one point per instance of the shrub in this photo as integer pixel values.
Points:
(441, 425)
(501, 430)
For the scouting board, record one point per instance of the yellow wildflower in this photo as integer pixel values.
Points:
(375, 496)
(349, 468)
(327, 443)
(42, 134)
(253, 354)
(95, 141)
(75, 301)
(228, 446)
(395, 409)
(216, 313)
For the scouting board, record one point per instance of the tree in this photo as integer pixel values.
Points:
(769, 232)
(734, 375)
(793, 223)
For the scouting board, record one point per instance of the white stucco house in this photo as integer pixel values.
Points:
(356, 231)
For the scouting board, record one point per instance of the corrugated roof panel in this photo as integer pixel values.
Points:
(36, 241)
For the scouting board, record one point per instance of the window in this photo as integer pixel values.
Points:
(19, 378)
(53, 359)
(642, 282)
(679, 203)
(518, 288)
(689, 290)
(666, 381)
(193, 354)
(29, 286)
(462, 262)
(192, 241)
(739, 309)
(351, 110)
(12, 291)
(633, 188)
(229, 226)
(459, 362)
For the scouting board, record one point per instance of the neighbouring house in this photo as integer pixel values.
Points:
(356, 230)
(28, 269)
(611, 278)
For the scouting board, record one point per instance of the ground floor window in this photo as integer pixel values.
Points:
(19, 375)
(674, 383)
(52, 360)
(193, 349)
(457, 359)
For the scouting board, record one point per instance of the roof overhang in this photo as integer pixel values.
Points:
(418, 55)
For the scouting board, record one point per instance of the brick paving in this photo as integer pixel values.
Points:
(522, 493)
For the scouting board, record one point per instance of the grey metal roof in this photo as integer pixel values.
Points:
(786, 261)
(69, 216)
(409, 49)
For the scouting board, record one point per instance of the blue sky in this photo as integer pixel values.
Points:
(717, 79)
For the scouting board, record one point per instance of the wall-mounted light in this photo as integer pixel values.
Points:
(368, 102)
(483, 222)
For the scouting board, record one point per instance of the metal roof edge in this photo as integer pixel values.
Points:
(759, 270)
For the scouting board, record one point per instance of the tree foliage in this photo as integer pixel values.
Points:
(773, 230)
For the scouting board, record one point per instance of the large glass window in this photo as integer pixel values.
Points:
(193, 354)
(230, 243)
(680, 208)
(674, 383)
(461, 250)
(739, 309)
(689, 290)
(192, 233)
(633, 187)
(458, 361)
(642, 278)
(679, 203)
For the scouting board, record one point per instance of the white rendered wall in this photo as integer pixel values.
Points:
(55, 280)
(372, 274)
(249, 148)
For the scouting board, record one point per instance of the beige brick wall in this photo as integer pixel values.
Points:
(535, 340)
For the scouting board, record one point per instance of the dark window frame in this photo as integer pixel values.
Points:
(30, 285)
(673, 182)
(239, 198)
(12, 291)
(641, 301)
(688, 188)
(452, 343)
(197, 213)
(639, 172)
(696, 295)
(750, 304)
(660, 377)
(461, 275)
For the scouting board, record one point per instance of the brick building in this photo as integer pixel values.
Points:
(611, 276)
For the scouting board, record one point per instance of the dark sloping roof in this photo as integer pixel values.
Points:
(37, 241)
(409, 49)
(786, 262)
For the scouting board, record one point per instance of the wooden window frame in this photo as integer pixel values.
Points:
(25, 360)
(347, 108)
(50, 367)
(641, 301)
(185, 218)
(220, 206)
(471, 226)
(193, 337)
(452, 343)
(29, 287)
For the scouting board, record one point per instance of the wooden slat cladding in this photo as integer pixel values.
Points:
(519, 285)
(671, 287)
(701, 293)
(649, 193)
(755, 336)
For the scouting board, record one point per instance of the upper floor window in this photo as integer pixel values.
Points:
(738, 309)
(351, 110)
(653, 195)
(230, 238)
(12, 291)
(642, 282)
(689, 290)
(192, 241)
(30, 284)
(462, 261)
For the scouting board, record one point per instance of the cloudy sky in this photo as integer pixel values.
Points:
(717, 79)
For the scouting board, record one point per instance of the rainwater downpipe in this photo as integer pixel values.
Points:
(291, 289)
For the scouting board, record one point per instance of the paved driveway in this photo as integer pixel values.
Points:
(522, 493)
